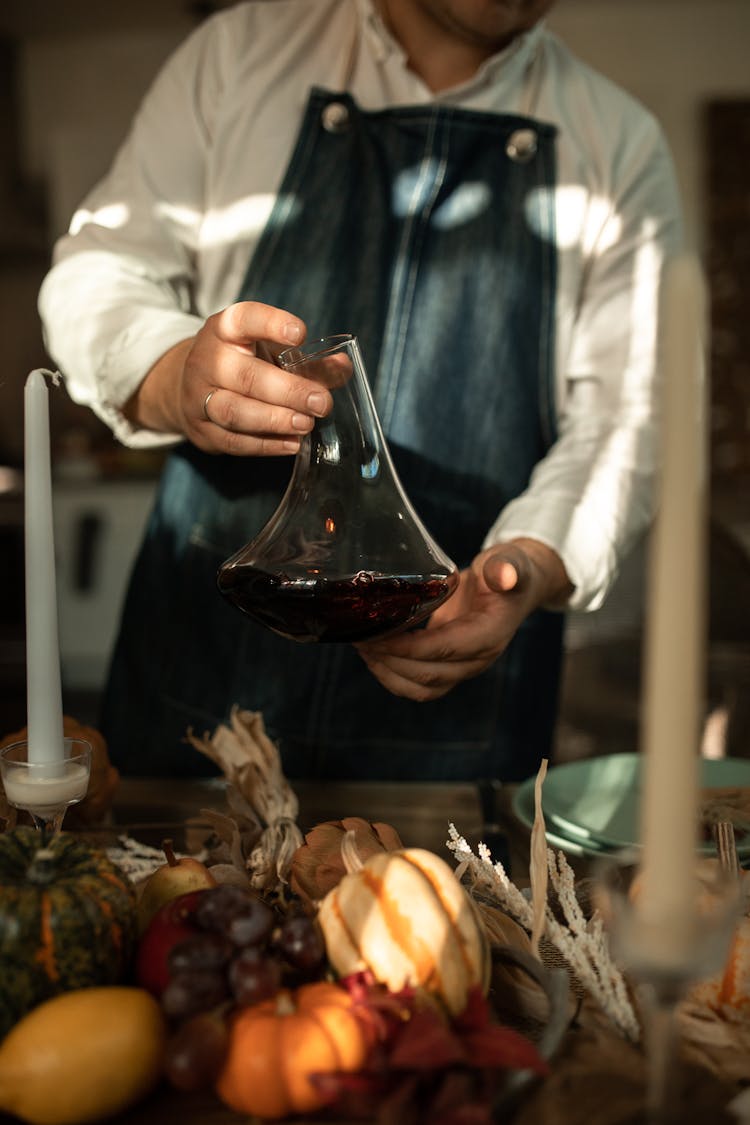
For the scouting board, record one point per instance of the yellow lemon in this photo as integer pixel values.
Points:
(82, 1056)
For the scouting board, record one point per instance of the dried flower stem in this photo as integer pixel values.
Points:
(581, 942)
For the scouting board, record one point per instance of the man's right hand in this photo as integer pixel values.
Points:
(223, 391)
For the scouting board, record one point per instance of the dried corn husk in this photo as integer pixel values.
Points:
(262, 835)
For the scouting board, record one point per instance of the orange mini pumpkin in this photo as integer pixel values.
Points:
(275, 1046)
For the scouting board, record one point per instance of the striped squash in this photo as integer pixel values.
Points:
(67, 919)
(404, 916)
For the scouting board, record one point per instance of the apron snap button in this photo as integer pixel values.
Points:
(521, 145)
(335, 117)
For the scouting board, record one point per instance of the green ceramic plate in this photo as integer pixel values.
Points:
(591, 807)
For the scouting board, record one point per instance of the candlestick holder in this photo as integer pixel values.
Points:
(46, 789)
(662, 969)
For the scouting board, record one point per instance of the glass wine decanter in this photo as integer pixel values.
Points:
(345, 556)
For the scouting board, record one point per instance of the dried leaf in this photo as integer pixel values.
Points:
(501, 928)
(236, 841)
(228, 873)
(719, 1044)
(317, 866)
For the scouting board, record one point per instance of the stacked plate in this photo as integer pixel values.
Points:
(591, 808)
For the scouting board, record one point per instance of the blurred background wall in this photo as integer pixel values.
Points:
(71, 76)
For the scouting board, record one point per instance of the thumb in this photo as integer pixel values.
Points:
(507, 570)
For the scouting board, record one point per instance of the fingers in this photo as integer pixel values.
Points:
(419, 680)
(425, 664)
(259, 404)
(248, 321)
(235, 398)
(507, 570)
(528, 567)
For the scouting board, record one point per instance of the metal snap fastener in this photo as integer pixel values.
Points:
(522, 145)
(335, 117)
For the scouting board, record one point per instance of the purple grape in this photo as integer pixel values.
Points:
(253, 926)
(236, 913)
(209, 951)
(191, 992)
(194, 1054)
(253, 976)
(300, 942)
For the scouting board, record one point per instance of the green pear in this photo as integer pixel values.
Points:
(175, 877)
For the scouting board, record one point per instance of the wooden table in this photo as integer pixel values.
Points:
(420, 812)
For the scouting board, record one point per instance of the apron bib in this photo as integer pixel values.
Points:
(429, 233)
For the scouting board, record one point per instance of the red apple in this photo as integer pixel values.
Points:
(172, 923)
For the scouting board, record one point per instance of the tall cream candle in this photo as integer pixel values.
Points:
(675, 629)
(43, 686)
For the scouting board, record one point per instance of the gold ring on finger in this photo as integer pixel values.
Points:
(206, 401)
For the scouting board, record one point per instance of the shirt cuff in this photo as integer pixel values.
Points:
(574, 534)
(131, 354)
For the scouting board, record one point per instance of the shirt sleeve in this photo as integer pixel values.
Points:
(591, 497)
(119, 293)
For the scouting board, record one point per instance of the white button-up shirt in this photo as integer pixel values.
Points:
(165, 239)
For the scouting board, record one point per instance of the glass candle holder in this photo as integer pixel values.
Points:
(46, 789)
(662, 966)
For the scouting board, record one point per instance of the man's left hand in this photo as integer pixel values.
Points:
(466, 634)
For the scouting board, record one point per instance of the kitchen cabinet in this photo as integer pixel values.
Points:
(98, 529)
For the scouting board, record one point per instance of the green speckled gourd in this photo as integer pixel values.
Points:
(67, 920)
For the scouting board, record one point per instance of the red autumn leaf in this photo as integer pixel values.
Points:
(352, 1094)
(459, 1099)
(489, 1044)
(477, 1012)
(502, 1047)
(426, 1043)
(474, 1114)
(383, 1011)
(402, 1105)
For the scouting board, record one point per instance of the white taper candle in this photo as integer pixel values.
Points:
(44, 713)
(675, 626)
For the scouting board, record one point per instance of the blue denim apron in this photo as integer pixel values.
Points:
(424, 232)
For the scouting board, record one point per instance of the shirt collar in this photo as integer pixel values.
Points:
(508, 64)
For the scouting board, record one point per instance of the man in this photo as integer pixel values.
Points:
(491, 219)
